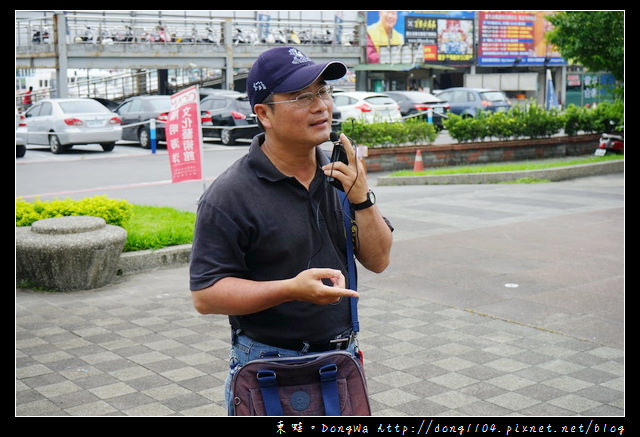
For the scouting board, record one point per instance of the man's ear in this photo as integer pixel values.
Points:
(263, 112)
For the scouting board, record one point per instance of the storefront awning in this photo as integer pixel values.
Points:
(400, 67)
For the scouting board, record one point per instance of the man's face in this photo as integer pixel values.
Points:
(289, 122)
(388, 18)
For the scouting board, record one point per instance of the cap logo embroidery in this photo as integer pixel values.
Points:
(298, 57)
(257, 86)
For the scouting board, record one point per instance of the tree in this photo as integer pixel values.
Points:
(594, 39)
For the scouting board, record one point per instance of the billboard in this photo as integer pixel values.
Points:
(515, 37)
(445, 36)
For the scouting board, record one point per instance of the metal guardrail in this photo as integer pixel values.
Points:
(85, 28)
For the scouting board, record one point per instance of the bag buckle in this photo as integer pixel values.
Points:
(343, 342)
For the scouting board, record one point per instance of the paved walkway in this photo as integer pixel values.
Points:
(500, 300)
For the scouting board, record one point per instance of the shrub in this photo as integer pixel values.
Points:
(113, 211)
(608, 116)
(536, 122)
(389, 134)
(575, 120)
(503, 126)
(467, 128)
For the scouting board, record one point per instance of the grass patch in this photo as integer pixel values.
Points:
(506, 166)
(153, 227)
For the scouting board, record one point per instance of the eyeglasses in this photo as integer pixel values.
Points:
(306, 99)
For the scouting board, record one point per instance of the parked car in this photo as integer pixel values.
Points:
(139, 109)
(336, 120)
(109, 104)
(469, 101)
(416, 102)
(62, 123)
(366, 106)
(230, 117)
(136, 111)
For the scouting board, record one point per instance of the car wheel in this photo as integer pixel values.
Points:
(108, 147)
(20, 150)
(143, 138)
(54, 144)
(226, 136)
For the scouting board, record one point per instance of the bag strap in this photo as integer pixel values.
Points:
(352, 280)
(329, 384)
(269, 391)
(352, 275)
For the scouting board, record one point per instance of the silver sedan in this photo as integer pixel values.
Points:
(61, 123)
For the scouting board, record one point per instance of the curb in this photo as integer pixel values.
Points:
(553, 174)
(144, 260)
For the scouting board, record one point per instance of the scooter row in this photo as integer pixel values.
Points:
(211, 35)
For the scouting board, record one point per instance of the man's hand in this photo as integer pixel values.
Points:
(308, 286)
(352, 176)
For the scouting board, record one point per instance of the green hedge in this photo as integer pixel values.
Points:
(113, 211)
(530, 122)
(378, 135)
(536, 122)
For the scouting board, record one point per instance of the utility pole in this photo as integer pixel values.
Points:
(60, 43)
(228, 45)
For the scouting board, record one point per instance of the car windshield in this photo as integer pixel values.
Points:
(244, 104)
(380, 100)
(493, 96)
(426, 97)
(81, 106)
(161, 105)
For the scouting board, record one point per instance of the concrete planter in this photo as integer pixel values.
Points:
(68, 253)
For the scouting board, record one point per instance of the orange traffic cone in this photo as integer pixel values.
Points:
(417, 163)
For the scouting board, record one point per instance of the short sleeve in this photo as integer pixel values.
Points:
(216, 251)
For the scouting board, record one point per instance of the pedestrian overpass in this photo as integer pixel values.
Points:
(60, 42)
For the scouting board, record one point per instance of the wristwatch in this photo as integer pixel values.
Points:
(371, 200)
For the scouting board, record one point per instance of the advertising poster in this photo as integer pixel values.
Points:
(515, 37)
(184, 135)
(445, 36)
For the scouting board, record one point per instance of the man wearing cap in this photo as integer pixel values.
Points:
(269, 247)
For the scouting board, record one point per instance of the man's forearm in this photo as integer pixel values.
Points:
(236, 296)
(374, 239)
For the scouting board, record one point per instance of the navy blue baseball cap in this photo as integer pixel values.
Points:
(285, 70)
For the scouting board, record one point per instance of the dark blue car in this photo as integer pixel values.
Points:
(469, 101)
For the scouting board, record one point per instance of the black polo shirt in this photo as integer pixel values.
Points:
(255, 223)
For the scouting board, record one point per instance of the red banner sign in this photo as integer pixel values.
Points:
(183, 133)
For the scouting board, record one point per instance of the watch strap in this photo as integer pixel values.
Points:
(366, 204)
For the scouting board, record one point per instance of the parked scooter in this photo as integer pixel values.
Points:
(86, 36)
(610, 142)
(126, 36)
(246, 36)
(40, 36)
(293, 37)
(163, 34)
(212, 37)
(105, 37)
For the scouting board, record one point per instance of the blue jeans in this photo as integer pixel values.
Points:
(244, 349)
